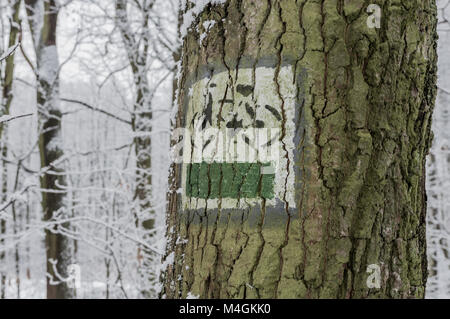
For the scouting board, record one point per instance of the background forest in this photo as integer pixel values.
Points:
(108, 83)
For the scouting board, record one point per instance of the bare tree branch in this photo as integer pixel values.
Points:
(96, 109)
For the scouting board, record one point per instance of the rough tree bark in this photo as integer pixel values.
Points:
(43, 18)
(353, 104)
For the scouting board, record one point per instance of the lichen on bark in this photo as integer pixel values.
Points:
(363, 99)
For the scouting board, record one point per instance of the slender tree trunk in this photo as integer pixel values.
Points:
(29, 203)
(4, 197)
(50, 145)
(141, 126)
(16, 229)
(6, 100)
(137, 48)
(7, 81)
(341, 212)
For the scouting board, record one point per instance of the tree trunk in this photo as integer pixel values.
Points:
(341, 212)
(7, 80)
(50, 145)
(7, 97)
(137, 47)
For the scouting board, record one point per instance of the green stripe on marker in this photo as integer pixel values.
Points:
(229, 180)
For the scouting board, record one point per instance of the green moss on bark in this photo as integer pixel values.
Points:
(364, 99)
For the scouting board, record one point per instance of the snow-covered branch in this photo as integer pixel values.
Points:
(10, 51)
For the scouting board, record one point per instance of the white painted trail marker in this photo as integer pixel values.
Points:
(235, 150)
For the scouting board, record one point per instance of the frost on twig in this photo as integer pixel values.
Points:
(8, 118)
(9, 52)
